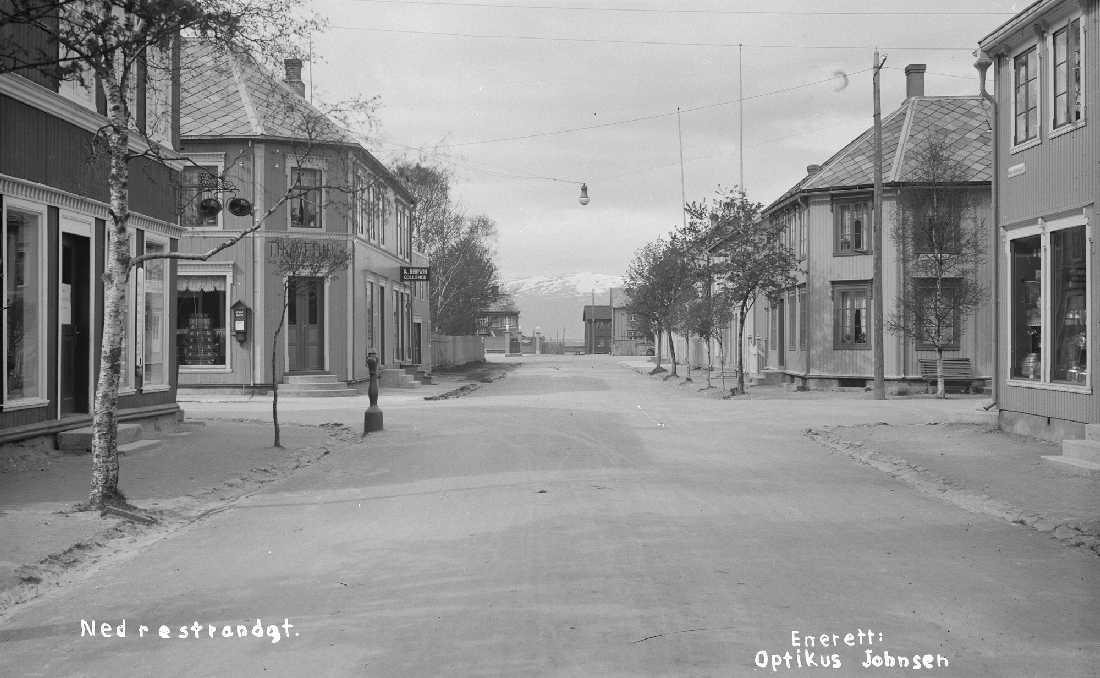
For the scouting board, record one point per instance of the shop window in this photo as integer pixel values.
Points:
(1026, 96)
(1066, 44)
(154, 305)
(24, 335)
(1048, 307)
(850, 315)
(850, 227)
(305, 202)
(1068, 317)
(200, 320)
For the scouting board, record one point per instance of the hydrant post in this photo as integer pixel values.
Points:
(372, 418)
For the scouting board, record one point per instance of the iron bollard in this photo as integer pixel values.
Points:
(372, 418)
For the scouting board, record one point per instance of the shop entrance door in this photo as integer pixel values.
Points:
(305, 321)
(74, 316)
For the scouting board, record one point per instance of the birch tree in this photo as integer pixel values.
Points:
(941, 244)
(107, 42)
(660, 286)
(754, 261)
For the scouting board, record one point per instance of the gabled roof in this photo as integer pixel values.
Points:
(505, 304)
(962, 121)
(596, 313)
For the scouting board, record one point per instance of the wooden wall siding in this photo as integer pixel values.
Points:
(1061, 172)
(1049, 403)
(36, 44)
(44, 149)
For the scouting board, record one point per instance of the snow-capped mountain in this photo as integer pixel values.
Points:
(554, 303)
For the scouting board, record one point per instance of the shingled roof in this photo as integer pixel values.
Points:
(962, 121)
(228, 94)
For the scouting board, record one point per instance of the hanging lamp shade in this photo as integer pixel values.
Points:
(583, 198)
(209, 207)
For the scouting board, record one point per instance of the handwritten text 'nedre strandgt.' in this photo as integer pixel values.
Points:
(90, 628)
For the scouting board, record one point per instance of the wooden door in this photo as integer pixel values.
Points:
(306, 324)
(73, 310)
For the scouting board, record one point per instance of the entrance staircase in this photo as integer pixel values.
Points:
(1081, 457)
(130, 439)
(321, 385)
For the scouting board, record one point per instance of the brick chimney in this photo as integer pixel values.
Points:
(294, 76)
(812, 169)
(914, 80)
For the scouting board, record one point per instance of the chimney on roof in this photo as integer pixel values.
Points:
(914, 80)
(812, 170)
(293, 77)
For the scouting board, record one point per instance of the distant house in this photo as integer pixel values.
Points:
(597, 328)
(54, 228)
(250, 134)
(498, 320)
(628, 334)
(819, 333)
(1046, 191)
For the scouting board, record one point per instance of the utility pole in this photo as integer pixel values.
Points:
(879, 354)
(683, 194)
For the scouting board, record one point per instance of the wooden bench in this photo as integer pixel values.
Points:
(956, 373)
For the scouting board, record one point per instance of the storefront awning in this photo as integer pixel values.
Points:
(200, 283)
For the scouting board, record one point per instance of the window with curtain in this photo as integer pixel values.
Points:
(201, 338)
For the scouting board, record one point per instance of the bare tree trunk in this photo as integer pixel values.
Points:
(659, 349)
(740, 350)
(104, 483)
(941, 387)
(671, 351)
(274, 370)
(710, 363)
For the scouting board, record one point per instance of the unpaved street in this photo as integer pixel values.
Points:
(578, 519)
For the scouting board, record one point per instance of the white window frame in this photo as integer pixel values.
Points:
(38, 209)
(1044, 228)
(139, 322)
(207, 270)
(1039, 57)
(216, 160)
(307, 165)
(1069, 126)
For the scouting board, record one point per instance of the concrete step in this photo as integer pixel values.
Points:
(139, 446)
(338, 391)
(769, 378)
(1085, 450)
(80, 439)
(311, 386)
(311, 379)
(1092, 431)
(1075, 466)
(397, 378)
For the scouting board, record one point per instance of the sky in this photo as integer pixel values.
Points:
(523, 100)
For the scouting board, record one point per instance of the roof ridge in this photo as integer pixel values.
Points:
(246, 95)
(903, 138)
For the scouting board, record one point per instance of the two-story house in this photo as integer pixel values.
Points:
(53, 236)
(628, 335)
(250, 135)
(819, 333)
(1046, 77)
(498, 325)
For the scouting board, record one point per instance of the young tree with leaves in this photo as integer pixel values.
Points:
(464, 276)
(660, 287)
(941, 244)
(754, 261)
(110, 42)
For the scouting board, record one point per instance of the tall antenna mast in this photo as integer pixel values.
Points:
(683, 195)
(740, 115)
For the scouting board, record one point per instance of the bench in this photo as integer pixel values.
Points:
(956, 373)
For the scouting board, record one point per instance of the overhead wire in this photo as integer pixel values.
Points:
(698, 11)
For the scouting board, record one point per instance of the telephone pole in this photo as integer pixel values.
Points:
(878, 352)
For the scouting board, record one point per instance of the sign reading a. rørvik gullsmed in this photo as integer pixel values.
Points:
(414, 274)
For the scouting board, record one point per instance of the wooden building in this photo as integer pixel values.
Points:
(53, 234)
(597, 328)
(627, 335)
(498, 323)
(819, 334)
(250, 135)
(1046, 78)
